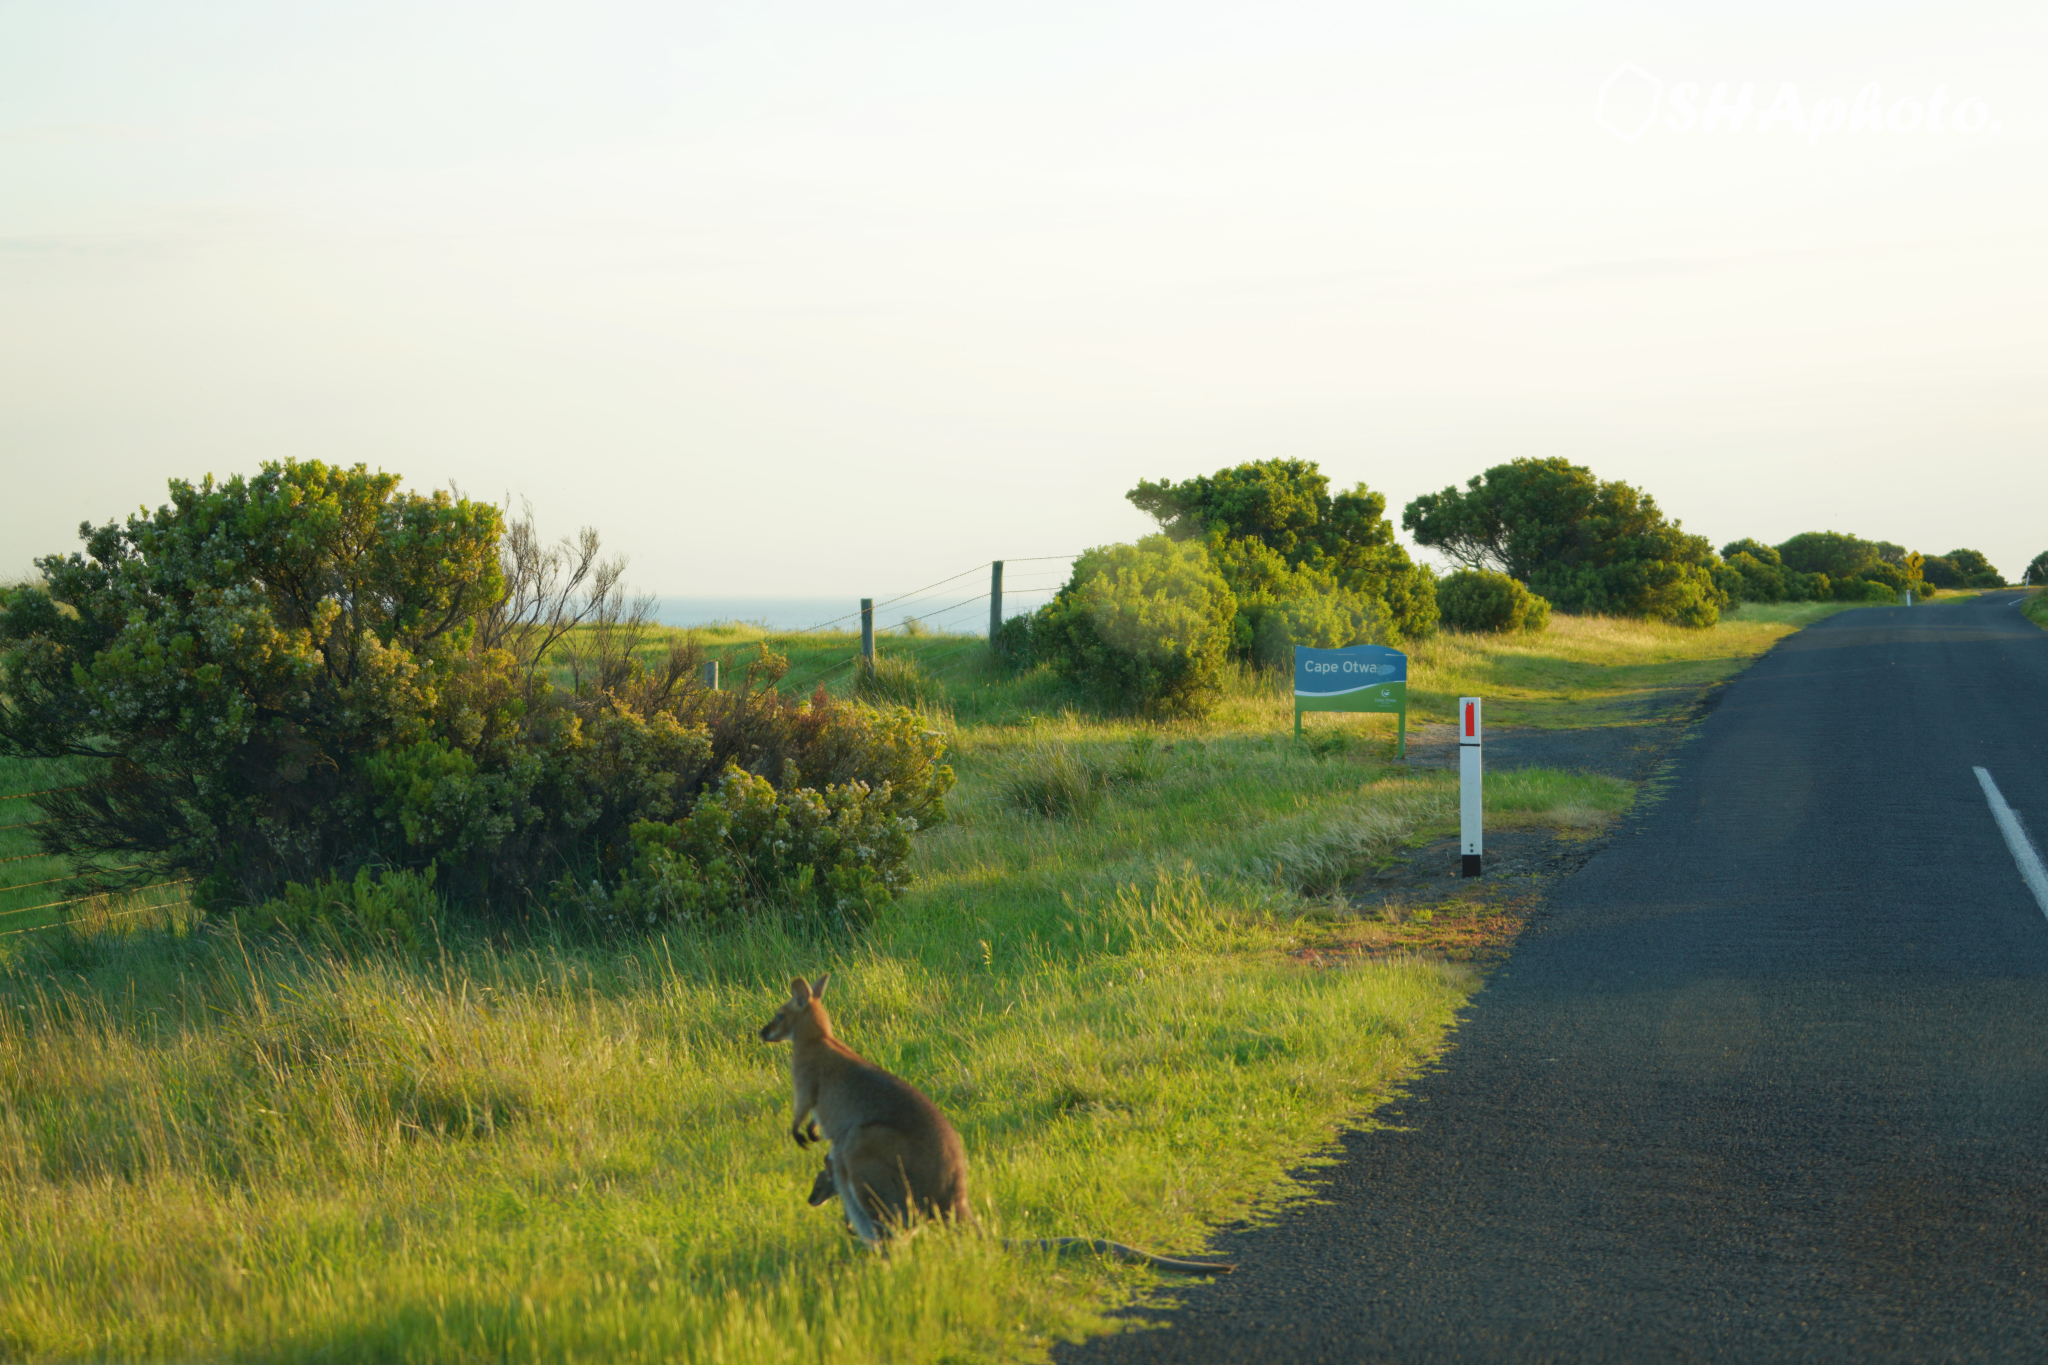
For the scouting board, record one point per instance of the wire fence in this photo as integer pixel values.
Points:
(89, 896)
(78, 876)
(92, 919)
(950, 616)
(931, 590)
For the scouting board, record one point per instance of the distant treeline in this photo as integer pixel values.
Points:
(1258, 558)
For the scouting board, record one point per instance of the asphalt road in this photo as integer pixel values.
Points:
(1769, 1082)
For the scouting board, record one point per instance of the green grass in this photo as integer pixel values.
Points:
(1594, 670)
(565, 1151)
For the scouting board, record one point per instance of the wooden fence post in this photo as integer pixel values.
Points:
(995, 608)
(867, 636)
(711, 675)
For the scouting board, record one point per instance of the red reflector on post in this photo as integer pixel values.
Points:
(1471, 720)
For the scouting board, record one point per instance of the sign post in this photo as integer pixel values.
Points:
(1361, 678)
(1471, 814)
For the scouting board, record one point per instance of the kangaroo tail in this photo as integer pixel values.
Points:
(1117, 1251)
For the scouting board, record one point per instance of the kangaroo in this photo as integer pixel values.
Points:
(825, 1187)
(892, 1148)
(890, 1145)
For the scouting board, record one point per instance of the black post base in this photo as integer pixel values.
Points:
(1471, 868)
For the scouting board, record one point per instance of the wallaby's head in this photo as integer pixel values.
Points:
(806, 1001)
(824, 1187)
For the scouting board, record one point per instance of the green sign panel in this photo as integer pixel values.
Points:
(1361, 678)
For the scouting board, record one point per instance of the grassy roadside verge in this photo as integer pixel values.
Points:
(573, 1152)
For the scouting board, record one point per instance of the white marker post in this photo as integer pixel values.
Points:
(1471, 816)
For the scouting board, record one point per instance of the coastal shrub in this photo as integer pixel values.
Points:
(1753, 572)
(1864, 590)
(1965, 569)
(1016, 646)
(1481, 601)
(838, 852)
(1837, 554)
(1808, 587)
(1280, 605)
(1143, 628)
(288, 678)
(1307, 567)
(391, 906)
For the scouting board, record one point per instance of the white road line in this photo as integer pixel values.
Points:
(2016, 840)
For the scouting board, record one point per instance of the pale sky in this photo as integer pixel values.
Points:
(821, 298)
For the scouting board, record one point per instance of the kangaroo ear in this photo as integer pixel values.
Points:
(800, 991)
(818, 986)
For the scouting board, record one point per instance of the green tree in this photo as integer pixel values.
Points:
(2036, 573)
(1756, 549)
(1584, 543)
(1975, 569)
(1834, 553)
(1280, 537)
(238, 654)
(1752, 572)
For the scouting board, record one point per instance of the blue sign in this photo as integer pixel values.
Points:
(1334, 672)
(1361, 678)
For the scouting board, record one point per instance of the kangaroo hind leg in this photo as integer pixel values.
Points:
(856, 1198)
(876, 1194)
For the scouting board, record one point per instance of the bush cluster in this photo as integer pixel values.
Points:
(1143, 628)
(1307, 567)
(1823, 566)
(1966, 569)
(391, 906)
(841, 850)
(304, 674)
(1253, 561)
(1280, 606)
(1751, 571)
(1481, 601)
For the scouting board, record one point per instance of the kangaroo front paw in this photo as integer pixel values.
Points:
(804, 1139)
